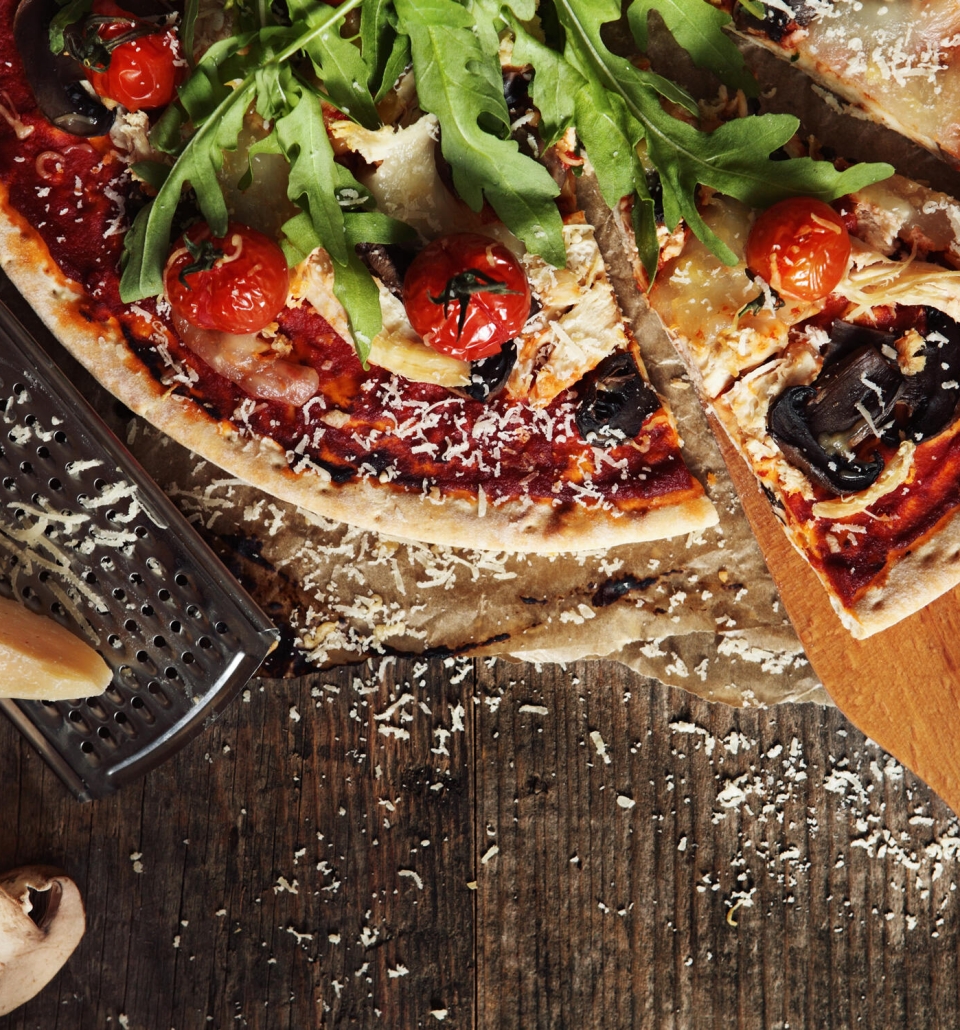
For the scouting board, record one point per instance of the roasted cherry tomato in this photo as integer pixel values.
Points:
(801, 247)
(466, 295)
(235, 283)
(129, 60)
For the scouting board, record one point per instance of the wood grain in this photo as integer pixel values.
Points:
(901, 687)
(461, 857)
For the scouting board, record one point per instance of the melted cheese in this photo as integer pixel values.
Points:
(898, 60)
(895, 474)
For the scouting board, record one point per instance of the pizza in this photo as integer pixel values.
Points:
(897, 62)
(830, 353)
(343, 254)
(525, 422)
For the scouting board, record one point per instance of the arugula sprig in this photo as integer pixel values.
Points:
(616, 108)
(254, 67)
(460, 82)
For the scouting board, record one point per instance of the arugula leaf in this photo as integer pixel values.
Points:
(620, 102)
(187, 28)
(71, 11)
(698, 28)
(344, 72)
(754, 7)
(462, 85)
(147, 244)
(303, 139)
(216, 98)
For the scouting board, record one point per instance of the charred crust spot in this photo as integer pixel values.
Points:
(613, 589)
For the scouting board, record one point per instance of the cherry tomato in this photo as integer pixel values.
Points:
(466, 295)
(236, 283)
(141, 73)
(801, 247)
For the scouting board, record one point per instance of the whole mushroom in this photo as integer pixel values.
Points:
(33, 949)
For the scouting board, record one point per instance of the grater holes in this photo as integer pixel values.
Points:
(221, 627)
(163, 594)
(135, 577)
(205, 642)
(94, 705)
(126, 726)
(143, 710)
(50, 710)
(119, 594)
(187, 658)
(147, 610)
(158, 693)
(159, 641)
(175, 627)
(106, 736)
(171, 673)
(43, 451)
(91, 755)
(115, 641)
(26, 468)
(114, 695)
(9, 483)
(54, 484)
(76, 717)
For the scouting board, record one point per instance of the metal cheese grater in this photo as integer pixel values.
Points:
(87, 538)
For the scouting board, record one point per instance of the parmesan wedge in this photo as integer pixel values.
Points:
(42, 661)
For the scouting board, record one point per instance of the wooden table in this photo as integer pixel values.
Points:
(471, 843)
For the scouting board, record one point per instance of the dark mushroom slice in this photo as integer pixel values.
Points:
(933, 394)
(55, 78)
(788, 426)
(818, 426)
(855, 396)
(615, 401)
(846, 337)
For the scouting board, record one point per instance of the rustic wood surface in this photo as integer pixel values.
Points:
(473, 843)
(901, 687)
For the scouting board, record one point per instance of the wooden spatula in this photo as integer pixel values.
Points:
(900, 687)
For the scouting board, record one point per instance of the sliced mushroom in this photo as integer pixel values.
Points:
(35, 945)
(788, 425)
(615, 401)
(846, 337)
(933, 394)
(55, 78)
(818, 426)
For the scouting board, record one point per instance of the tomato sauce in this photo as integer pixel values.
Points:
(79, 197)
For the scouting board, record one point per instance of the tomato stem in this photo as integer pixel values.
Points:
(87, 45)
(462, 287)
(205, 255)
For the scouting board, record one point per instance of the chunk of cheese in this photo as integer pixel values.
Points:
(42, 661)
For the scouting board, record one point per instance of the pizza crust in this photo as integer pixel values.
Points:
(463, 521)
(738, 384)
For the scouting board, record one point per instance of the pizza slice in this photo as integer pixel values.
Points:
(508, 408)
(830, 353)
(897, 62)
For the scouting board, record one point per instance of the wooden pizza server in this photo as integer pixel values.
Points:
(900, 687)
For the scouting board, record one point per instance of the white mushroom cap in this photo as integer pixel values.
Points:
(32, 953)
